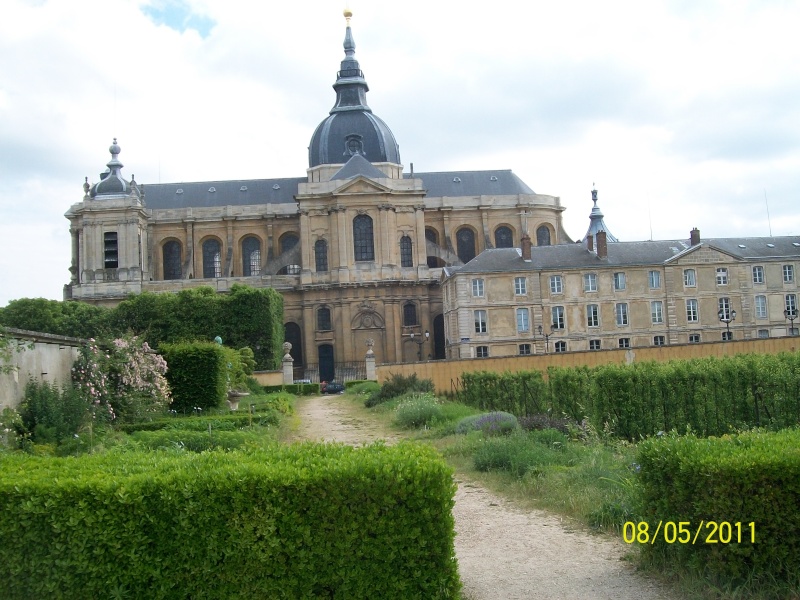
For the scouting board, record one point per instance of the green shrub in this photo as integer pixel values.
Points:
(197, 375)
(363, 388)
(253, 386)
(396, 386)
(748, 478)
(301, 521)
(357, 382)
(51, 414)
(418, 410)
(517, 453)
(490, 423)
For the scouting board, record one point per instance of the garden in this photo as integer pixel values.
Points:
(708, 505)
(139, 479)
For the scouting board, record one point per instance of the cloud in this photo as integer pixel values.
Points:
(681, 113)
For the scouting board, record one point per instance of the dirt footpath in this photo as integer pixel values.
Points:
(504, 552)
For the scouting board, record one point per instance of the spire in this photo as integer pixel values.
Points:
(351, 87)
(596, 223)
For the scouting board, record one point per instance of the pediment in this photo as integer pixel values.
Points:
(361, 185)
(702, 253)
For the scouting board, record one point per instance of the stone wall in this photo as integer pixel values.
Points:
(44, 357)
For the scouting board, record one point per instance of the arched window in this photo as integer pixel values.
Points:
(324, 319)
(465, 243)
(406, 257)
(543, 236)
(321, 255)
(363, 245)
(171, 252)
(410, 315)
(212, 259)
(503, 237)
(432, 235)
(287, 242)
(251, 257)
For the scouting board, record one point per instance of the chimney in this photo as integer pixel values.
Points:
(590, 242)
(602, 245)
(694, 236)
(526, 247)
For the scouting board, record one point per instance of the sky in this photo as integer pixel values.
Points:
(682, 113)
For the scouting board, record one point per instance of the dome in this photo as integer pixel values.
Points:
(351, 128)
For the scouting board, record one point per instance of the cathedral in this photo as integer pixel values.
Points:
(358, 247)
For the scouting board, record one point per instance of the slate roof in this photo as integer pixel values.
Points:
(358, 165)
(755, 248)
(237, 192)
(263, 191)
(472, 183)
(577, 256)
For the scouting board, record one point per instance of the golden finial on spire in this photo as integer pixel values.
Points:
(347, 14)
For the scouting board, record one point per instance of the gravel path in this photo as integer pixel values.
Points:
(504, 552)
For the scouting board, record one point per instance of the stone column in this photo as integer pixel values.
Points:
(420, 248)
(305, 241)
(370, 360)
(288, 364)
(74, 268)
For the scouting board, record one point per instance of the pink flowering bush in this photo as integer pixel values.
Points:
(122, 379)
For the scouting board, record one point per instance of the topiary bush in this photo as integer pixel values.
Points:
(752, 479)
(300, 521)
(492, 423)
(396, 386)
(197, 374)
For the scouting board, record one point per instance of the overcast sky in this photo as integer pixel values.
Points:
(683, 114)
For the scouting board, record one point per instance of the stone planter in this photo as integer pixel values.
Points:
(234, 397)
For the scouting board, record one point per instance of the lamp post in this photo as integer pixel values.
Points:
(727, 317)
(791, 315)
(420, 342)
(546, 337)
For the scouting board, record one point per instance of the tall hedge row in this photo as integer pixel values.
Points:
(752, 478)
(307, 521)
(712, 396)
(197, 374)
(244, 317)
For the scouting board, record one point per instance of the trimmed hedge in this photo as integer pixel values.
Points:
(301, 521)
(298, 389)
(712, 396)
(748, 478)
(217, 423)
(196, 441)
(197, 373)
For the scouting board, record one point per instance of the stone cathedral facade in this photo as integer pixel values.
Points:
(357, 247)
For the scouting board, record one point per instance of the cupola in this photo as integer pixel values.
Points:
(351, 127)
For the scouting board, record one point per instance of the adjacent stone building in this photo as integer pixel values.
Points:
(598, 295)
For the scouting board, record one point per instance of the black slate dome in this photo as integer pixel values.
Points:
(351, 128)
